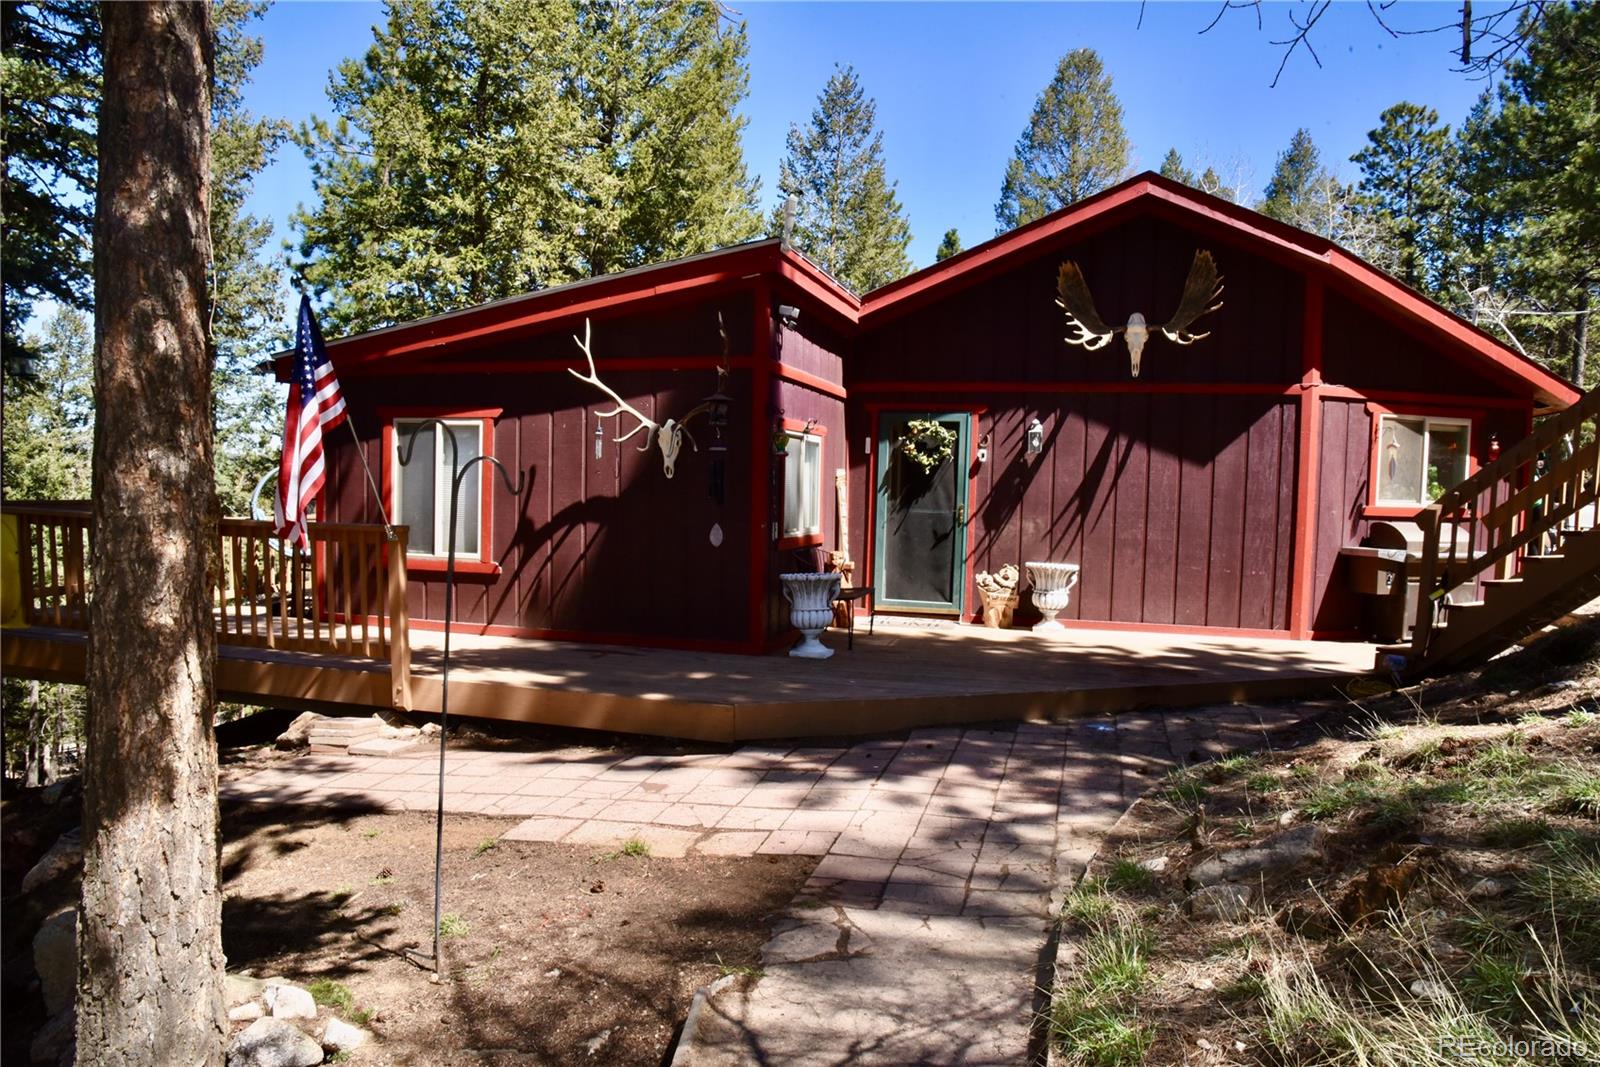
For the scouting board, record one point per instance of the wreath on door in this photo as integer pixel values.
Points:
(926, 443)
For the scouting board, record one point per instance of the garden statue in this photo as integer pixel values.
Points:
(999, 594)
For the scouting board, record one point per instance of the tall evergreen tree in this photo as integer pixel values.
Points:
(1405, 171)
(49, 415)
(1172, 167)
(1294, 181)
(485, 148)
(849, 220)
(54, 64)
(150, 979)
(1211, 182)
(246, 311)
(1074, 145)
(949, 246)
(50, 82)
(1549, 167)
(659, 84)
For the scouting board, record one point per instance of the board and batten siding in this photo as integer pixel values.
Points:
(1174, 492)
(605, 548)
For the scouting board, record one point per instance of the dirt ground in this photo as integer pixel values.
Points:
(558, 954)
(1441, 813)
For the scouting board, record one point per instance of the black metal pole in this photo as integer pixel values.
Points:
(458, 476)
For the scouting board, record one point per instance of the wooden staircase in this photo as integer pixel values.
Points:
(1535, 553)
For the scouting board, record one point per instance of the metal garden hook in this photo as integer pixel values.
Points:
(449, 607)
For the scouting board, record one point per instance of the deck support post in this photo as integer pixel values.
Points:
(399, 628)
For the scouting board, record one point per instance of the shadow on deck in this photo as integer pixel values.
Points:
(904, 676)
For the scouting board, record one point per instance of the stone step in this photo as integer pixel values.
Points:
(384, 746)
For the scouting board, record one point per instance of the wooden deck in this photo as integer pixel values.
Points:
(906, 675)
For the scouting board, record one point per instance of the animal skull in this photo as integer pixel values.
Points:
(1136, 333)
(670, 437)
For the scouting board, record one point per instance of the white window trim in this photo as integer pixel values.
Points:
(816, 489)
(441, 485)
(1428, 423)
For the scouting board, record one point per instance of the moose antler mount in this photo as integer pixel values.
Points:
(1202, 294)
(668, 435)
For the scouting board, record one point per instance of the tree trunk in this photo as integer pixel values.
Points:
(33, 742)
(150, 961)
(1580, 341)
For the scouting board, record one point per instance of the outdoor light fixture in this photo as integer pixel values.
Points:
(789, 315)
(1035, 438)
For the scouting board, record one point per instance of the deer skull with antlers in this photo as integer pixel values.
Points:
(668, 435)
(1203, 286)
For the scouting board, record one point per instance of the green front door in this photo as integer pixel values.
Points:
(920, 541)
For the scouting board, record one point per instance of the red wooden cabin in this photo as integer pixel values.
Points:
(1213, 492)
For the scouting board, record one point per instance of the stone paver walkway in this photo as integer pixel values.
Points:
(920, 934)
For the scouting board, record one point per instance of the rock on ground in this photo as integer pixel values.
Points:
(1280, 852)
(65, 855)
(287, 1001)
(55, 958)
(240, 989)
(298, 735)
(273, 1043)
(342, 1037)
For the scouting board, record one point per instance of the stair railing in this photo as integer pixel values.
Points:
(1509, 506)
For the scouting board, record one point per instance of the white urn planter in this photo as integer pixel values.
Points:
(1052, 591)
(810, 598)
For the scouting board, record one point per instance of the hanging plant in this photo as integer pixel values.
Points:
(927, 444)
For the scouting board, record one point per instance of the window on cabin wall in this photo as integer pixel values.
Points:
(422, 489)
(802, 486)
(1420, 458)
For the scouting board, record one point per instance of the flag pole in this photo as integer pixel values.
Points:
(361, 453)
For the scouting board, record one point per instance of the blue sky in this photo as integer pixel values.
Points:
(955, 82)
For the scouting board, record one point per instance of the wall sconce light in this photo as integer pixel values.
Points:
(983, 449)
(1035, 438)
(789, 315)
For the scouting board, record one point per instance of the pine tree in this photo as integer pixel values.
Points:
(949, 246)
(483, 149)
(660, 85)
(1294, 181)
(1405, 171)
(849, 220)
(50, 81)
(150, 979)
(1211, 182)
(1549, 173)
(246, 290)
(50, 414)
(1172, 167)
(1074, 145)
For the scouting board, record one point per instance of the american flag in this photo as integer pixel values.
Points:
(315, 404)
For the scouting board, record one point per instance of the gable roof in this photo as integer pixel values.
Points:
(511, 316)
(1147, 192)
(1318, 256)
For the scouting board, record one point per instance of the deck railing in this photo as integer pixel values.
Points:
(1513, 507)
(345, 597)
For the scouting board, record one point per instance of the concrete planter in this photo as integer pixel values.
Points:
(810, 598)
(1052, 591)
